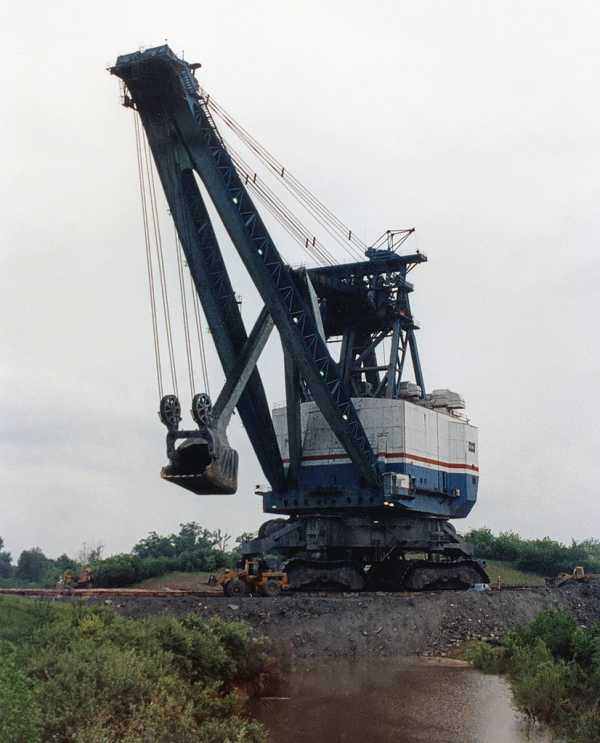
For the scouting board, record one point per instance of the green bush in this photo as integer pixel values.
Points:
(192, 549)
(543, 690)
(118, 570)
(485, 657)
(19, 713)
(79, 674)
(554, 671)
(555, 629)
(544, 556)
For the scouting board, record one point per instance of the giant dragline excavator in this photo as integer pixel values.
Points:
(365, 467)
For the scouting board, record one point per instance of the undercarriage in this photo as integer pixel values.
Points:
(366, 553)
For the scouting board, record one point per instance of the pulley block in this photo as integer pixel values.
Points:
(170, 412)
(202, 410)
(203, 461)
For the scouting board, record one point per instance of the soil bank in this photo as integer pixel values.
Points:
(378, 624)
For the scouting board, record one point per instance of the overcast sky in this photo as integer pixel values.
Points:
(477, 123)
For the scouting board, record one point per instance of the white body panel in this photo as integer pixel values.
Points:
(399, 431)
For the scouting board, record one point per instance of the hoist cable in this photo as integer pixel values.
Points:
(178, 210)
(161, 264)
(184, 311)
(200, 335)
(151, 287)
(185, 221)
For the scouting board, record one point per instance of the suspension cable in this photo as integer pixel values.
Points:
(151, 287)
(288, 219)
(283, 215)
(276, 165)
(309, 242)
(313, 247)
(347, 238)
(319, 219)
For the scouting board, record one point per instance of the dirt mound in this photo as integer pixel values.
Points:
(371, 624)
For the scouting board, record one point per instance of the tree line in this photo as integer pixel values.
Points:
(192, 548)
(544, 556)
(32, 567)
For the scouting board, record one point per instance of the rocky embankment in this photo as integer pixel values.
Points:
(377, 623)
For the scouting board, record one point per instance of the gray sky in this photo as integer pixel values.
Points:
(475, 122)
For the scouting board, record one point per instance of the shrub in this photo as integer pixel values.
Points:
(554, 670)
(543, 690)
(485, 657)
(193, 549)
(19, 713)
(118, 570)
(555, 629)
(544, 556)
(90, 676)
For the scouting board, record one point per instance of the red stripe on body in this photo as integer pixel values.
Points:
(393, 455)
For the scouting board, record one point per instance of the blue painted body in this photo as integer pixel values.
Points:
(336, 486)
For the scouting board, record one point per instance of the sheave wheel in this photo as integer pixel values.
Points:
(272, 587)
(235, 587)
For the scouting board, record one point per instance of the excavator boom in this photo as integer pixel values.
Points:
(368, 466)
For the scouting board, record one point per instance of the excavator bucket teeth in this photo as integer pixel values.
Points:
(198, 467)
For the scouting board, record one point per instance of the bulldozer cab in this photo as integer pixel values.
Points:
(254, 567)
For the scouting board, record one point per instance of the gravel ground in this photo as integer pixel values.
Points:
(378, 624)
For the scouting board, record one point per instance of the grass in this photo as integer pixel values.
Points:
(84, 675)
(511, 576)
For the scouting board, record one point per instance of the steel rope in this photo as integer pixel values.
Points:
(151, 287)
(161, 265)
(353, 245)
(184, 310)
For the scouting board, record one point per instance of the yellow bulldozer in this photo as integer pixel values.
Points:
(252, 577)
(577, 576)
(72, 579)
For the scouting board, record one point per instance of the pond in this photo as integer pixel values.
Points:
(376, 700)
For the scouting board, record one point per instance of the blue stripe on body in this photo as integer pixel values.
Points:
(433, 495)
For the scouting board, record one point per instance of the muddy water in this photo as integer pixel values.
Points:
(404, 700)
